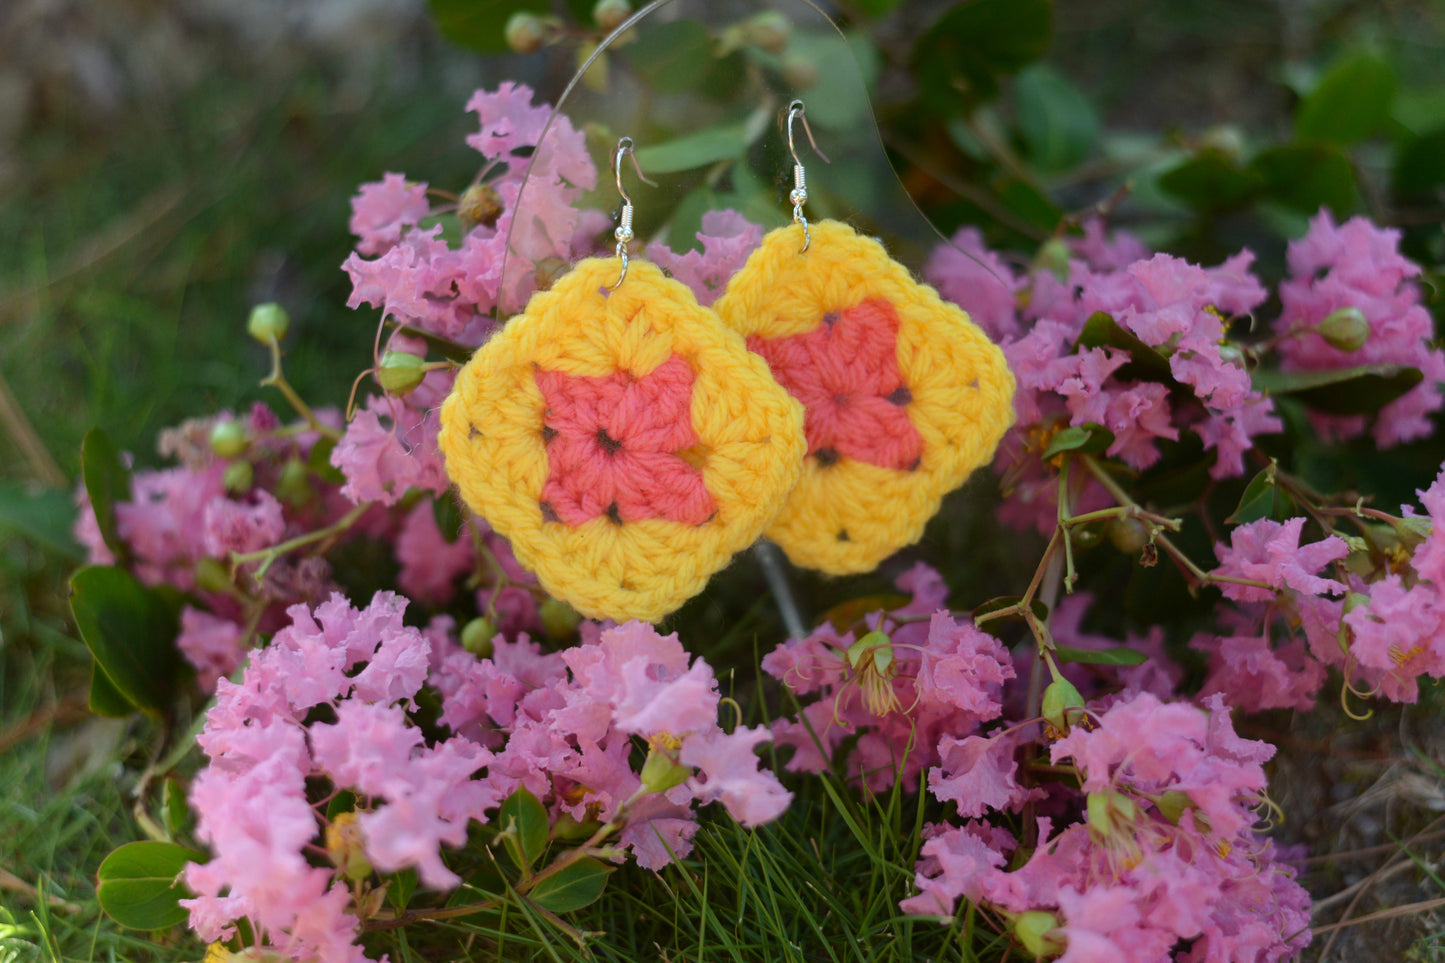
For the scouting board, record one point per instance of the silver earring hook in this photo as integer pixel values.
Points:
(799, 194)
(623, 233)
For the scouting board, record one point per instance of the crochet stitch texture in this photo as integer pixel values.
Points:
(625, 442)
(904, 395)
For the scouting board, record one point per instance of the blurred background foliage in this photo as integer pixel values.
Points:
(164, 166)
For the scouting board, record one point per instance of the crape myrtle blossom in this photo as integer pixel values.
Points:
(1160, 864)
(899, 688)
(326, 707)
(1356, 271)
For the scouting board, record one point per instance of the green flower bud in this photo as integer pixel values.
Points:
(1032, 929)
(477, 636)
(1053, 257)
(229, 439)
(661, 772)
(800, 72)
(294, 485)
(268, 322)
(1345, 329)
(769, 30)
(347, 847)
(1062, 705)
(526, 32)
(559, 620)
(1173, 804)
(400, 372)
(569, 830)
(549, 271)
(611, 14)
(479, 204)
(239, 477)
(1129, 535)
(1109, 812)
(212, 576)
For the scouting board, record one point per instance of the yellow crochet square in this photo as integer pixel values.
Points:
(924, 414)
(741, 453)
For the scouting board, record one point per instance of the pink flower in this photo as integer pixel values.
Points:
(727, 239)
(1269, 551)
(382, 462)
(211, 644)
(1399, 635)
(429, 563)
(976, 279)
(242, 526)
(1254, 675)
(729, 772)
(381, 210)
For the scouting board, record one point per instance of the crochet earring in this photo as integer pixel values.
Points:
(625, 441)
(903, 395)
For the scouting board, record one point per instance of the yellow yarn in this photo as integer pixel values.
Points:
(849, 516)
(750, 449)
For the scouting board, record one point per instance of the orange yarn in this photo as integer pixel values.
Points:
(625, 442)
(904, 395)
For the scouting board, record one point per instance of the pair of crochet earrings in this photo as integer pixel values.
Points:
(629, 442)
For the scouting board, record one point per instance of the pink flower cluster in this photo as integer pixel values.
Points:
(1358, 266)
(326, 708)
(1153, 850)
(916, 682)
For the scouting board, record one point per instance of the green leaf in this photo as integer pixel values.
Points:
(574, 887)
(131, 630)
(319, 461)
(1145, 363)
(1089, 439)
(1058, 124)
(399, 889)
(670, 56)
(174, 808)
(875, 8)
(1420, 166)
(959, 60)
(1361, 390)
(1350, 101)
(449, 517)
(846, 69)
(1307, 177)
(1029, 203)
(138, 887)
(105, 699)
(845, 615)
(525, 815)
(480, 24)
(1211, 180)
(43, 515)
(107, 481)
(694, 150)
(1115, 656)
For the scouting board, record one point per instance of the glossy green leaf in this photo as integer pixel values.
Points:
(959, 60)
(174, 808)
(138, 886)
(1029, 203)
(1145, 363)
(449, 517)
(1211, 180)
(1420, 166)
(1090, 439)
(1262, 498)
(107, 481)
(1057, 122)
(846, 68)
(480, 24)
(1350, 101)
(105, 699)
(1115, 656)
(319, 461)
(574, 887)
(1361, 390)
(131, 631)
(694, 150)
(43, 515)
(670, 56)
(525, 816)
(1307, 177)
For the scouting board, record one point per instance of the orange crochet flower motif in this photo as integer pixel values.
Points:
(845, 373)
(613, 447)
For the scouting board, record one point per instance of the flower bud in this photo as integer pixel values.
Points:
(569, 830)
(228, 439)
(400, 372)
(661, 772)
(768, 30)
(480, 204)
(268, 322)
(1129, 535)
(549, 271)
(1109, 812)
(239, 477)
(1062, 705)
(611, 14)
(800, 72)
(477, 636)
(1173, 804)
(1345, 329)
(347, 847)
(1053, 257)
(1032, 929)
(212, 576)
(559, 620)
(294, 485)
(525, 32)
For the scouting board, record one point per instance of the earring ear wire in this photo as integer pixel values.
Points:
(623, 234)
(799, 194)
